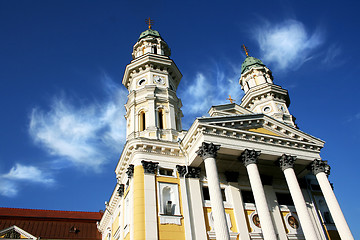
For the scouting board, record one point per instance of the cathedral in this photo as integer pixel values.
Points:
(245, 171)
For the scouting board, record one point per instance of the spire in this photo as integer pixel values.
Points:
(261, 94)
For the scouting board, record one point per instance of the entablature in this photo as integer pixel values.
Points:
(255, 131)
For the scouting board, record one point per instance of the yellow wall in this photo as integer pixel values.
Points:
(248, 213)
(171, 231)
(229, 211)
(139, 203)
(263, 130)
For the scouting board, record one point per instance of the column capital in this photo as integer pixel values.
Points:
(208, 150)
(318, 166)
(121, 190)
(149, 167)
(286, 161)
(193, 172)
(130, 171)
(249, 156)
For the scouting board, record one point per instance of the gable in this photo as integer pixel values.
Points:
(227, 110)
(260, 124)
(15, 232)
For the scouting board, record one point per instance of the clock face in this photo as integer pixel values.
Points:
(281, 108)
(159, 79)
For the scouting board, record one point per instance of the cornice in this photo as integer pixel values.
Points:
(149, 146)
(262, 92)
(109, 210)
(155, 63)
(235, 127)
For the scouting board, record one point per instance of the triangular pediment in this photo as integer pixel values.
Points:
(260, 124)
(15, 232)
(227, 110)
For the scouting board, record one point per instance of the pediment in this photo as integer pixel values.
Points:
(260, 124)
(15, 232)
(227, 110)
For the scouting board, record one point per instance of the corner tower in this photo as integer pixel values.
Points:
(153, 108)
(261, 94)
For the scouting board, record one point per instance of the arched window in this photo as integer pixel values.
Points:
(168, 201)
(154, 49)
(142, 121)
(161, 118)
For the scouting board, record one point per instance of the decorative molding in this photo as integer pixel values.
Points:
(166, 219)
(249, 156)
(193, 172)
(12, 234)
(286, 161)
(130, 171)
(318, 166)
(208, 150)
(181, 170)
(232, 176)
(121, 190)
(149, 167)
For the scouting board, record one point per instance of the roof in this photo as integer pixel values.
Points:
(251, 62)
(149, 32)
(52, 224)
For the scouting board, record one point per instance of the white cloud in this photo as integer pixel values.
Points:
(8, 188)
(10, 182)
(27, 173)
(85, 136)
(287, 44)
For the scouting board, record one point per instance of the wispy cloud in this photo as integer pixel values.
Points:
(12, 181)
(211, 87)
(287, 44)
(85, 136)
(333, 51)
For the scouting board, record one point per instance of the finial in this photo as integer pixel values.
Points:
(149, 22)
(230, 99)
(245, 49)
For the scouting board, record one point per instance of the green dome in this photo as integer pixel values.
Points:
(149, 32)
(251, 62)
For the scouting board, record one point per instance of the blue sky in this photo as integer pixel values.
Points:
(61, 66)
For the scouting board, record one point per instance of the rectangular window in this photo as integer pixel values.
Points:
(127, 212)
(166, 172)
(206, 194)
(284, 199)
(247, 196)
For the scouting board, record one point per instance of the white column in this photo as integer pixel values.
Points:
(300, 204)
(185, 206)
(262, 208)
(319, 168)
(286, 163)
(217, 204)
(208, 152)
(249, 159)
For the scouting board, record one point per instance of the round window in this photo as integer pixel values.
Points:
(142, 82)
(266, 109)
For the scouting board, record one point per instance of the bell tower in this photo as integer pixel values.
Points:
(261, 94)
(153, 108)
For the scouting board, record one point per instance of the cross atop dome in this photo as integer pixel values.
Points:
(149, 22)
